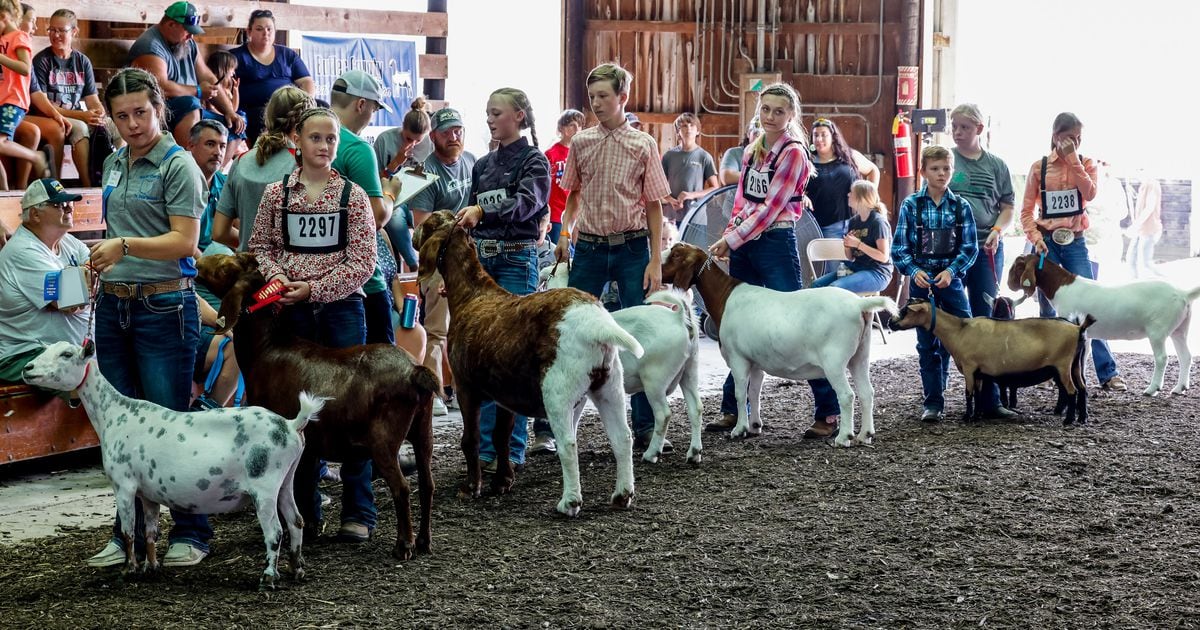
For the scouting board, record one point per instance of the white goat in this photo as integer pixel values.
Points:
(666, 327)
(802, 335)
(201, 462)
(1149, 309)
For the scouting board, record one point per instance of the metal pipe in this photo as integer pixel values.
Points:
(761, 31)
(879, 76)
(774, 34)
(735, 32)
(726, 73)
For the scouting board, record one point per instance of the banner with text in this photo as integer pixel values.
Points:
(393, 62)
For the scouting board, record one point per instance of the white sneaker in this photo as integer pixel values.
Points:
(181, 554)
(439, 407)
(110, 556)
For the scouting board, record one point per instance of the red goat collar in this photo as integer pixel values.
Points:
(86, 370)
(673, 307)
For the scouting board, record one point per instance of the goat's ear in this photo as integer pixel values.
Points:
(89, 348)
(248, 261)
(1029, 275)
(231, 306)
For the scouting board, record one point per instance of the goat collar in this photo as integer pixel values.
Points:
(707, 263)
(673, 307)
(441, 255)
(87, 368)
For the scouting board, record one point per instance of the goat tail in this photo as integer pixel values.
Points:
(1193, 294)
(310, 406)
(1088, 320)
(426, 381)
(878, 303)
(609, 332)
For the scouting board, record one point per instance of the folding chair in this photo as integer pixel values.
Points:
(831, 249)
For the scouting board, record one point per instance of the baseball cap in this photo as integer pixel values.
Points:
(445, 118)
(46, 191)
(185, 13)
(632, 118)
(363, 85)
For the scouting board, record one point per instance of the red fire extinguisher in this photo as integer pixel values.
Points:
(902, 145)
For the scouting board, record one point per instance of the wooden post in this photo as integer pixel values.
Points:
(574, 74)
(435, 89)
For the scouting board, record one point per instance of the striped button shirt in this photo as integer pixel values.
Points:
(933, 215)
(1061, 174)
(791, 176)
(615, 173)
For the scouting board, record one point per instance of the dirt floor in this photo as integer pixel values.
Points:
(1022, 524)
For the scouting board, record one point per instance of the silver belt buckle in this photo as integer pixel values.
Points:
(616, 239)
(488, 249)
(1063, 236)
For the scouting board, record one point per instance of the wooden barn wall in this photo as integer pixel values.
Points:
(689, 55)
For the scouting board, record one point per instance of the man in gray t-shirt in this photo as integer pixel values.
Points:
(168, 51)
(690, 170)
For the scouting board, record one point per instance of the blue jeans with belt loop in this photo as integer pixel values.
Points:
(772, 261)
(145, 347)
(595, 264)
(1074, 258)
(339, 324)
(517, 273)
(932, 355)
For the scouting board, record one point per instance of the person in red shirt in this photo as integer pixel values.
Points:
(569, 124)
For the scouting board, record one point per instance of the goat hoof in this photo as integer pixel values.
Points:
(570, 507)
(622, 501)
(650, 456)
(501, 485)
(424, 546)
(1150, 391)
(298, 574)
(694, 458)
(845, 442)
(740, 432)
(468, 490)
(268, 581)
(403, 551)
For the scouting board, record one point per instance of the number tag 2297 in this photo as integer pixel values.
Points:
(314, 230)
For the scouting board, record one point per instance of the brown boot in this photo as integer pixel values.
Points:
(726, 423)
(822, 428)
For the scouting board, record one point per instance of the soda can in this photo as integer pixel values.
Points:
(408, 314)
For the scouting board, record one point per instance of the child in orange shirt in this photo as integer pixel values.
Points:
(15, 68)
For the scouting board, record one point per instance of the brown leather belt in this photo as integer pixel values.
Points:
(1050, 233)
(126, 290)
(618, 238)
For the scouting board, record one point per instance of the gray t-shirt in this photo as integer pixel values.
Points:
(25, 322)
(387, 145)
(245, 186)
(732, 160)
(452, 189)
(181, 70)
(143, 197)
(986, 184)
(687, 171)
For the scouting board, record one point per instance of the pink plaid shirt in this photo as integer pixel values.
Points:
(615, 174)
(791, 176)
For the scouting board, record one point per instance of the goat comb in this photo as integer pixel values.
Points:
(269, 294)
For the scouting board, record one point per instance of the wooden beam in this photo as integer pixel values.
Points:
(89, 216)
(433, 66)
(236, 13)
(636, 26)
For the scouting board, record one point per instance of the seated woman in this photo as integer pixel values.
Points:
(867, 242)
(30, 318)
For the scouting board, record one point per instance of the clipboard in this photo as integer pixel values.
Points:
(413, 182)
(72, 288)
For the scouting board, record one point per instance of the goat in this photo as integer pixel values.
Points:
(815, 333)
(666, 328)
(1147, 309)
(1022, 352)
(538, 355)
(1005, 309)
(379, 397)
(202, 462)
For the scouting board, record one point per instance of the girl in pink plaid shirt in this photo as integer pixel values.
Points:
(760, 241)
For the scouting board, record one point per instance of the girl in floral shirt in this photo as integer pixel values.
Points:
(315, 232)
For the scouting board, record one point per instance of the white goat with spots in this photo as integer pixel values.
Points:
(202, 462)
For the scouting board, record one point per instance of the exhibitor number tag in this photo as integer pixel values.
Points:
(314, 230)
(1061, 203)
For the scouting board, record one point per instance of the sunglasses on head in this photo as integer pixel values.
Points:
(189, 20)
(261, 13)
(823, 122)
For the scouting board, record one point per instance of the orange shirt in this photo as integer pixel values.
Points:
(14, 87)
(1060, 175)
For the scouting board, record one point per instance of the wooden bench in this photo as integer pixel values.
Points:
(36, 424)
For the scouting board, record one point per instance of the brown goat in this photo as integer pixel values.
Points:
(378, 397)
(536, 355)
(1022, 351)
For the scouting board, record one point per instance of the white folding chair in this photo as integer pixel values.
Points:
(831, 249)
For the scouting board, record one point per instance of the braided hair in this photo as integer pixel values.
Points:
(519, 101)
(282, 112)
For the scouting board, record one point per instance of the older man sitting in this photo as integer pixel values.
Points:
(31, 265)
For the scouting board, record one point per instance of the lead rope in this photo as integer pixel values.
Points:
(95, 290)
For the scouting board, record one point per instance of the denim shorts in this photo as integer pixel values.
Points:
(211, 115)
(180, 106)
(10, 118)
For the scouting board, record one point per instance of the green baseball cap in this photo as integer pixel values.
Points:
(185, 13)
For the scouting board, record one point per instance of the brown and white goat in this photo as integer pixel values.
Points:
(1147, 309)
(815, 333)
(378, 397)
(1023, 351)
(538, 355)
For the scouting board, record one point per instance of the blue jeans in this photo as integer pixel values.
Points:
(399, 231)
(146, 348)
(1074, 258)
(857, 282)
(981, 282)
(339, 324)
(377, 310)
(517, 273)
(772, 261)
(934, 357)
(595, 264)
